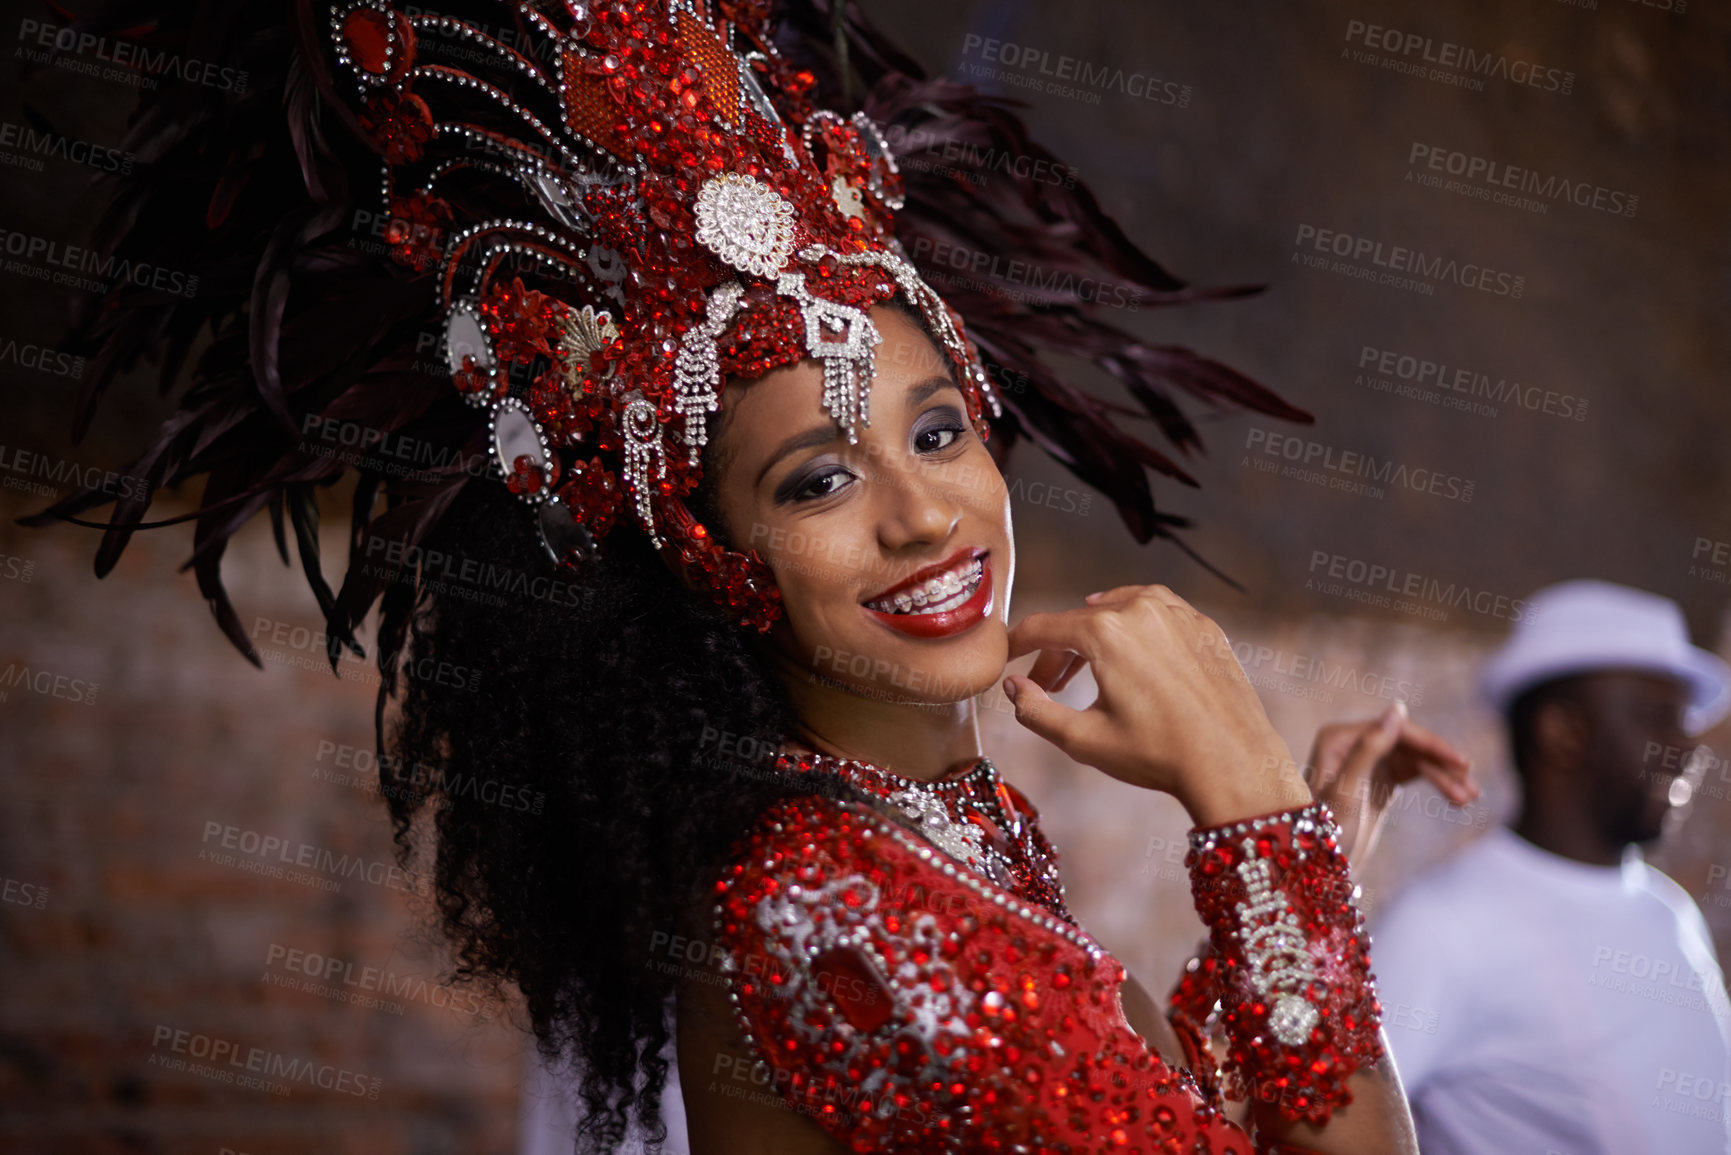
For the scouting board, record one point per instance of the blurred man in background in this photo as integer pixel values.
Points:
(1555, 994)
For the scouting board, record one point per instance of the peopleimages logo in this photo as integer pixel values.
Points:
(925, 151)
(1038, 69)
(386, 451)
(1373, 260)
(73, 265)
(1484, 179)
(26, 355)
(364, 986)
(1424, 379)
(231, 1061)
(19, 676)
(31, 143)
(1034, 284)
(137, 64)
(452, 48)
(58, 473)
(1717, 564)
(1272, 667)
(1372, 583)
(265, 851)
(1319, 457)
(1448, 62)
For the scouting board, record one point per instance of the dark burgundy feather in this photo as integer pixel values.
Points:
(278, 531)
(303, 511)
(1060, 229)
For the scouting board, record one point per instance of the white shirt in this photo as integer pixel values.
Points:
(1541, 1006)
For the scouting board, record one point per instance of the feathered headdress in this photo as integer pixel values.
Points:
(604, 211)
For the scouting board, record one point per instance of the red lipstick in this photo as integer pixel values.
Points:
(963, 615)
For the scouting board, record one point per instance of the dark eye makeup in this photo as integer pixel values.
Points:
(937, 430)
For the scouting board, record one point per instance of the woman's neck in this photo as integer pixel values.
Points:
(915, 740)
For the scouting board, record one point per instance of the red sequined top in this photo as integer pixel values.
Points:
(921, 987)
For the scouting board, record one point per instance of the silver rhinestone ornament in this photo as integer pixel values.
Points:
(745, 223)
(697, 369)
(848, 198)
(959, 840)
(1276, 949)
(844, 340)
(642, 442)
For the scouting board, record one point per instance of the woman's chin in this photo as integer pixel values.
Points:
(933, 673)
(857, 654)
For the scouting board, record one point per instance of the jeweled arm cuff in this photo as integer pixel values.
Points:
(1291, 964)
(1190, 1008)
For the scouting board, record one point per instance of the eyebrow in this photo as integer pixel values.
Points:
(926, 388)
(810, 439)
(824, 434)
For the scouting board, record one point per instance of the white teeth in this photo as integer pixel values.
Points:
(938, 595)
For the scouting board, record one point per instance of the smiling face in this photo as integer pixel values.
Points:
(894, 554)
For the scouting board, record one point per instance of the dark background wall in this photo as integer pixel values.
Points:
(1225, 137)
(1282, 129)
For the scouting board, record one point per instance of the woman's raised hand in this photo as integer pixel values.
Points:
(1357, 766)
(1175, 711)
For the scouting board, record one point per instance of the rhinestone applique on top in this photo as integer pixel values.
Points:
(906, 1003)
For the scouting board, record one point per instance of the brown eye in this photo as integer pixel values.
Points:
(821, 485)
(932, 440)
(939, 433)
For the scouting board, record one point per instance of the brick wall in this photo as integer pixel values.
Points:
(158, 947)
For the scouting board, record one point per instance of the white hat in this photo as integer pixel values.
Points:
(1575, 627)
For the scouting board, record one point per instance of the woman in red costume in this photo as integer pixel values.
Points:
(752, 500)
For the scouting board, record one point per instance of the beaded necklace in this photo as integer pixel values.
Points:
(970, 816)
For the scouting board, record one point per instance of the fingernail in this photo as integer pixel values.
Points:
(1010, 689)
(1093, 595)
(1391, 719)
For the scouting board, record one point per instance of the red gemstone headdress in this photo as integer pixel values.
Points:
(683, 226)
(610, 211)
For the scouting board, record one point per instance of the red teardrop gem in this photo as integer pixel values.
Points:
(368, 32)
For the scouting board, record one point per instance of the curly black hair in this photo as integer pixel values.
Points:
(594, 745)
(574, 774)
